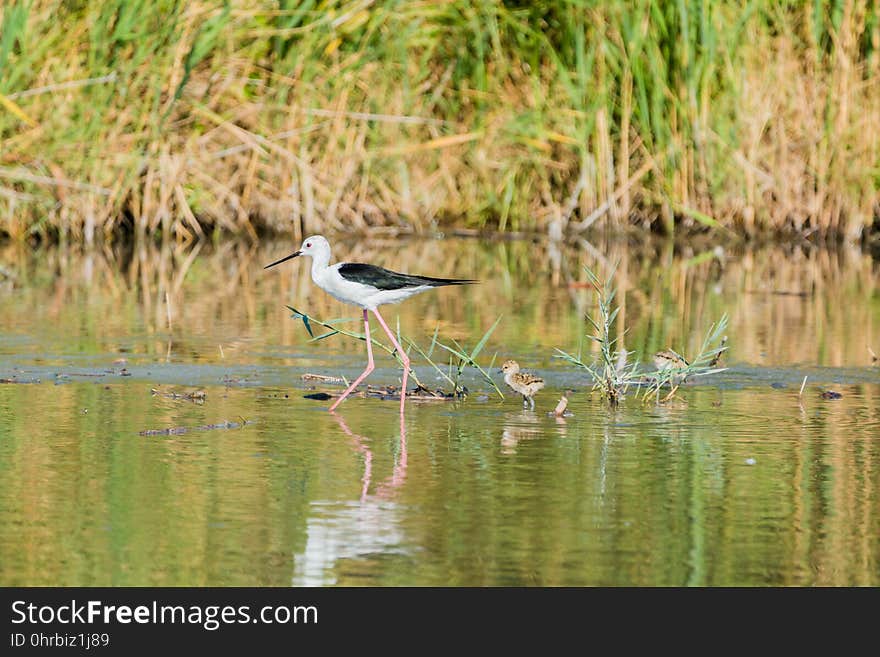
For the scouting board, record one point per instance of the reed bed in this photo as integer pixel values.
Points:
(183, 120)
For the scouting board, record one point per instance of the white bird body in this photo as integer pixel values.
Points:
(365, 286)
(364, 296)
(368, 287)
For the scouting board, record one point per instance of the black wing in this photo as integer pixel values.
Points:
(385, 279)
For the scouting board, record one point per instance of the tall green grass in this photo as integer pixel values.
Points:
(182, 118)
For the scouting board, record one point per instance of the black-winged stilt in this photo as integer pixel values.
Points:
(522, 382)
(368, 287)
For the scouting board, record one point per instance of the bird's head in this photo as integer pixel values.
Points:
(315, 246)
(510, 367)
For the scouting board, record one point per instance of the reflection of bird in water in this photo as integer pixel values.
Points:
(519, 426)
(349, 532)
(522, 382)
(398, 476)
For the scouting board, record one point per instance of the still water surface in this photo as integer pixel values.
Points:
(739, 481)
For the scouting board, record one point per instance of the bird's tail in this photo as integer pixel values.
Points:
(438, 282)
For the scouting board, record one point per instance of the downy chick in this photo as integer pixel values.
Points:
(522, 382)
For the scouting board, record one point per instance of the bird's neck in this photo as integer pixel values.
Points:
(320, 262)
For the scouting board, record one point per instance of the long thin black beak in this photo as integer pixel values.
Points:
(285, 259)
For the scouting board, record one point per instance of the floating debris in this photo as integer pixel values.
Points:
(197, 396)
(419, 393)
(322, 377)
(320, 396)
(175, 431)
(559, 411)
(750, 461)
(17, 380)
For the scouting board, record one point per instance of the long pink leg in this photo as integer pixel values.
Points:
(401, 352)
(370, 365)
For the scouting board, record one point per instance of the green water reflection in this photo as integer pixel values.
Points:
(740, 482)
(486, 494)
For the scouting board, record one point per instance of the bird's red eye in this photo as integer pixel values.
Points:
(308, 245)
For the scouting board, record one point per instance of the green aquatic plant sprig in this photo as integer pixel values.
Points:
(612, 375)
(470, 360)
(465, 358)
(335, 329)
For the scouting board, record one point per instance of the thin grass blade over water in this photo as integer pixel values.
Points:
(465, 359)
(613, 374)
(334, 329)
